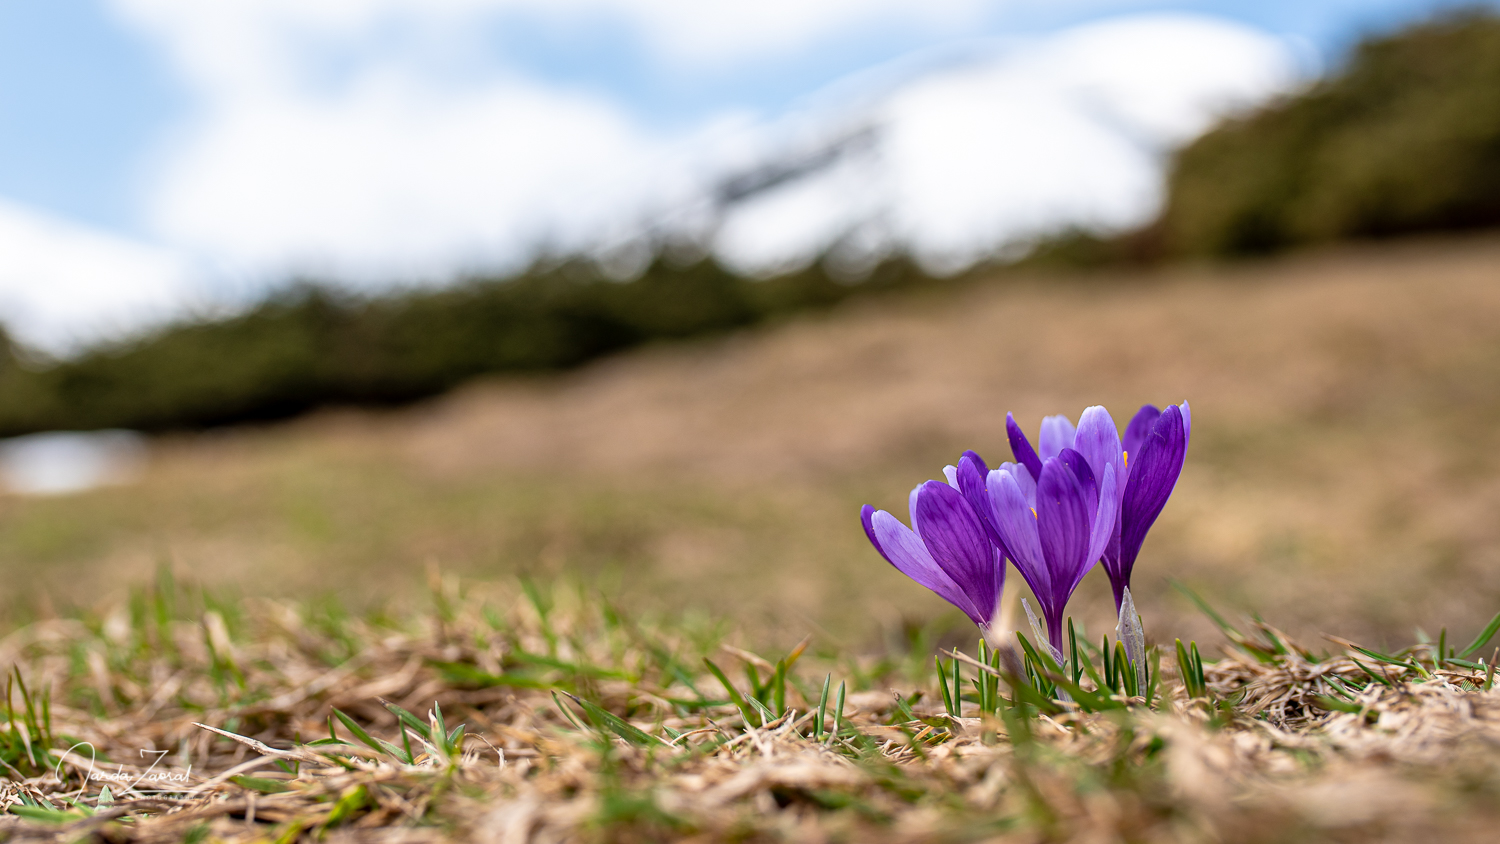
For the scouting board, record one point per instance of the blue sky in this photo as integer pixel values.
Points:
(136, 121)
(83, 96)
(81, 99)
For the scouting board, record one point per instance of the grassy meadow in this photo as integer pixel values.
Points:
(1342, 476)
(643, 589)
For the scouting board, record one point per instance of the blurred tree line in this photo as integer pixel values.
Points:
(1405, 138)
(312, 346)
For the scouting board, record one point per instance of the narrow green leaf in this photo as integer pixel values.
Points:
(778, 689)
(1185, 668)
(943, 685)
(564, 665)
(410, 720)
(1091, 671)
(1153, 674)
(903, 709)
(264, 786)
(982, 683)
(36, 813)
(359, 732)
(1086, 700)
(1073, 653)
(1372, 675)
(765, 713)
(757, 691)
(1378, 656)
(439, 728)
(1123, 670)
(567, 713)
(734, 694)
(1206, 609)
(1333, 704)
(1025, 693)
(347, 806)
(603, 719)
(460, 674)
(958, 688)
(822, 707)
(411, 758)
(1036, 656)
(1464, 663)
(838, 713)
(1483, 638)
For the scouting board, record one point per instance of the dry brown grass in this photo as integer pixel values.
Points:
(1265, 764)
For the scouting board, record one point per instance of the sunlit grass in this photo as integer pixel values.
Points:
(543, 709)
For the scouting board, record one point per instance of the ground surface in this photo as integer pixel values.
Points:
(1343, 475)
(700, 501)
(179, 718)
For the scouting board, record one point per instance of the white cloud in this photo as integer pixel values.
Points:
(1070, 130)
(398, 178)
(62, 284)
(399, 172)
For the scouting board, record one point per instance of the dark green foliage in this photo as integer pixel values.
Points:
(1190, 668)
(1406, 138)
(310, 347)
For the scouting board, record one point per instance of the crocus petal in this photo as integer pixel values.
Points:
(1187, 421)
(1057, 434)
(1106, 519)
(1016, 524)
(1099, 442)
(866, 515)
(904, 550)
(959, 544)
(984, 468)
(1138, 429)
(1021, 448)
(971, 475)
(951, 473)
(1064, 523)
(1152, 479)
(1024, 480)
(1085, 475)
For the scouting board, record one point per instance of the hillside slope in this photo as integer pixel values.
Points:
(1343, 471)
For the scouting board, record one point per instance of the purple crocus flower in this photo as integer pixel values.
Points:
(1053, 529)
(1148, 462)
(1155, 445)
(946, 550)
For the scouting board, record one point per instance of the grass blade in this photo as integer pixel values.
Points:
(411, 721)
(822, 707)
(1483, 638)
(943, 685)
(603, 720)
(1204, 607)
(734, 694)
(838, 712)
(359, 733)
